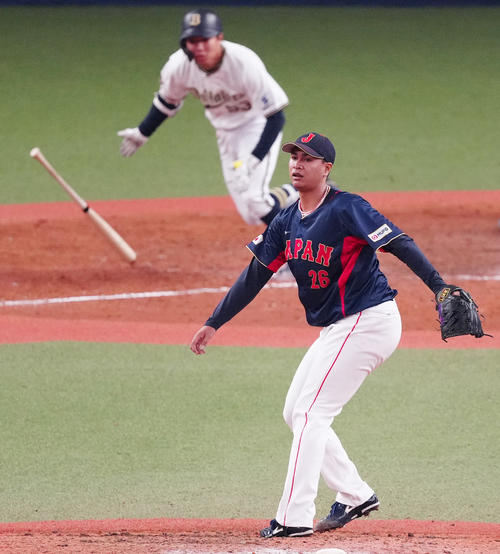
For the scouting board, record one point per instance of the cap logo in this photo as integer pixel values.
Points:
(309, 137)
(194, 19)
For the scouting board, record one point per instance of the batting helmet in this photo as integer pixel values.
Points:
(199, 23)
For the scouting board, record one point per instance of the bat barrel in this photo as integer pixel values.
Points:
(111, 234)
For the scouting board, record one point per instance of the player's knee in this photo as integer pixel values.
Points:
(251, 219)
(248, 216)
(259, 206)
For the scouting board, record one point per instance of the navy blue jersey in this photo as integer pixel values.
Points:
(332, 255)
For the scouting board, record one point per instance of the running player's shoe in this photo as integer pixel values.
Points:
(277, 530)
(292, 195)
(340, 514)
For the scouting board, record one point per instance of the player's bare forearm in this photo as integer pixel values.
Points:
(201, 338)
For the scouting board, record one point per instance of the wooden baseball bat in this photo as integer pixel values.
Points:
(116, 240)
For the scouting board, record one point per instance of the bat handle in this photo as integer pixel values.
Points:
(37, 154)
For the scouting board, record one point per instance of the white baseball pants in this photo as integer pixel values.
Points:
(329, 375)
(236, 144)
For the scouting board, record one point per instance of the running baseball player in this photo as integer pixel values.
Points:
(243, 103)
(329, 239)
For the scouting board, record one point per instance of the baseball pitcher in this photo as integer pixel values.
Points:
(330, 238)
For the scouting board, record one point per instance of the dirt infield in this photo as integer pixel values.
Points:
(241, 536)
(49, 252)
(62, 281)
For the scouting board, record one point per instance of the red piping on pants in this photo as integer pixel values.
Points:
(310, 407)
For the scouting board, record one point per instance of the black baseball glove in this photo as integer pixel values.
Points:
(458, 314)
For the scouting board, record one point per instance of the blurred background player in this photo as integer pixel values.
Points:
(243, 103)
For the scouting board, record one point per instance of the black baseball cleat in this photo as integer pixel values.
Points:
(340, 514)
(277, 530)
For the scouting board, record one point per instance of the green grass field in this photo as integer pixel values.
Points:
(409, 97)
(101, 430)
(111, 431)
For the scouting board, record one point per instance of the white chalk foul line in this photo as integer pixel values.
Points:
(187, 292)
(476, 277)
(129, 295)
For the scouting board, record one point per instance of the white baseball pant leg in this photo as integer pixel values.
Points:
(330, 373)
(236, 144)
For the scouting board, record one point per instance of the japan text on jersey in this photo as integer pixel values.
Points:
(332, 255)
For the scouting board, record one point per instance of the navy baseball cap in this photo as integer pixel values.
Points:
(314, 144)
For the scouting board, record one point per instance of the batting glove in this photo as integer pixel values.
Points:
(243, 171)
(133, 139)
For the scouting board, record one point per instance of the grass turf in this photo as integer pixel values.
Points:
(94, 431)
(407, 95)
(110, 431)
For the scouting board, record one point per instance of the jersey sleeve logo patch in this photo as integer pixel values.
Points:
(380, 233)
(258, 240)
